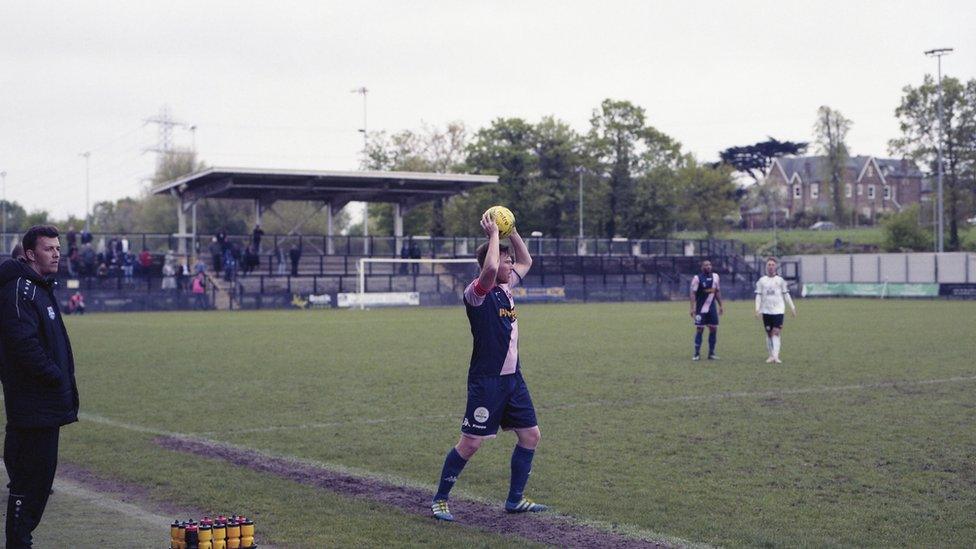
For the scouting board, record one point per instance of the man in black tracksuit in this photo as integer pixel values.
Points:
(38, 374)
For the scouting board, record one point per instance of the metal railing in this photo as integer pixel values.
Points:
(388, 246)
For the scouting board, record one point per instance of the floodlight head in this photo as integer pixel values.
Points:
(938, 51)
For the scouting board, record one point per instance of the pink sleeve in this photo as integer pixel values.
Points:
(474, 294)
(715, 279)
(694, 283)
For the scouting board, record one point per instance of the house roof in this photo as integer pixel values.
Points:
(812, 168)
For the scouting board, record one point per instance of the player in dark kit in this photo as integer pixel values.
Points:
(705, 296)
(497, 394)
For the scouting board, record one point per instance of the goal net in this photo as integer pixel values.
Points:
(364, 298)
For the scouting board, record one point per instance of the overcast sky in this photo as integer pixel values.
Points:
(269, 83)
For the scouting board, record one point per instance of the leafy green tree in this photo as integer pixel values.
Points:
(707, 195)
(16, 217)
(429, 150)
(918, 121)
(625, 149)
(756, 159)
(902, 232)
(831, 134)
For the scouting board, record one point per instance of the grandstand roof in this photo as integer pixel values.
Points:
(338, 187)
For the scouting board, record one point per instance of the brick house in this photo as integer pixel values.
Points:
(870, 185)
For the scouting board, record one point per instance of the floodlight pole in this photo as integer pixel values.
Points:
(363, 91)
(940, 237)
(580, 171)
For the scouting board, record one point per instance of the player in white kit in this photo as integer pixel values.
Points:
(772, 296)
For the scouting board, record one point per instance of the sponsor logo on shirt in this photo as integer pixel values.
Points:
(50, 312)
(508, 313)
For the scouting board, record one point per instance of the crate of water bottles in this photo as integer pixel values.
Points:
(233, 532)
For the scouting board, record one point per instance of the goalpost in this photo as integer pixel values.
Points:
(361, 269)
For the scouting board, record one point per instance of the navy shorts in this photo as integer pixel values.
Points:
(498, 401)
(772, 321)
(707, 319)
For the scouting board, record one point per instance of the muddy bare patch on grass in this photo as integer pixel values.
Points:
(541, 528)
(127, 492)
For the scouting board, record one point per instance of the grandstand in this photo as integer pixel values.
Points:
(573, 270)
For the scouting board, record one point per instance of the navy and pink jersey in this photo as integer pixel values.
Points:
(704, 286)
(494, 326)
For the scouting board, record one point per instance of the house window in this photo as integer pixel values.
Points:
(814, 190)
(860, 189)
(870, 192)
(887, 192)
(847, 190)
(797, 191)
(870, 171)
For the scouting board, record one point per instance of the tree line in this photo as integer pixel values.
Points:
(636, 181)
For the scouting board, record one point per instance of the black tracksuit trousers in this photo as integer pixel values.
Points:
(31, 459)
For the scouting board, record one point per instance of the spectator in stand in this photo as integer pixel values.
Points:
(222, 240)
(199, 290)
(72, 241)
(17, 252)
(74, 261)
(247, 262)
(404, 254)
(86, 237)
(76, 304)
(217, 252)
(256, 238)
(169, 277)
(182, 272)
(279, 254)
(110, 253)
(128, 266)
(230, 265)
(88, 258)
(102, 271)
(415, 254)
(199, 266)
(295, 254)
(145, 262)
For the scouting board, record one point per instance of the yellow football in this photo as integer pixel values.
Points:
(504, 218)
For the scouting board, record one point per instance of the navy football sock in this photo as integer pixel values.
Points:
(698, 341)
(521, 467)
(712, 337)
(453, 465)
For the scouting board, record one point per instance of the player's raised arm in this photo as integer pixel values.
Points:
(489, 270)
(523, 260)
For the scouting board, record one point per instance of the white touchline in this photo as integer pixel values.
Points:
(99, 499)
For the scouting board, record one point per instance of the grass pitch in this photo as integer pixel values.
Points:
(862, 437)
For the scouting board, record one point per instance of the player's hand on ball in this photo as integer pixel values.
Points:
(488, 225)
